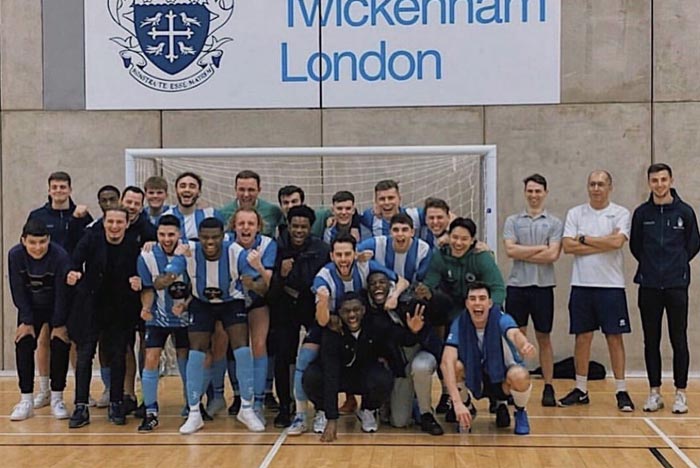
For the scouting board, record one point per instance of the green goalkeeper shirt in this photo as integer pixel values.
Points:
(271, 215)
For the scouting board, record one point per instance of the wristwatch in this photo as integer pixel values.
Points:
(582, 239)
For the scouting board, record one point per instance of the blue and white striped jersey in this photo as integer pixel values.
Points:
(150, 265)
(268, 253)
(380, 227)
(213, 281)
(190, 223)
(154, 219)
(329, 278)
(412, 264)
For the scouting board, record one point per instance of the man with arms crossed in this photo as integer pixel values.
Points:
(533, 239)
(664, 239)
(594, 234)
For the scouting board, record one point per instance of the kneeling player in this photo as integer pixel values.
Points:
(484, 343)
(162, 309)
(349, 361)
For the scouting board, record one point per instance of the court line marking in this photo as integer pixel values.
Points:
(660, 457)
(670, 443)
(275, 448)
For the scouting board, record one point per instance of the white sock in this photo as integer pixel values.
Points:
(43, 383)
(582, 383)
(680, 390)
(521, 398)
(620, 385)
(655, 391)
(301, 406)
(245, 404)
(194, 408)
(56, 396)
(27, 397)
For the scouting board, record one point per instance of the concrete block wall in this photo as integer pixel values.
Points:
(630, 80)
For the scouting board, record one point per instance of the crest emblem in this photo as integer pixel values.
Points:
(171, 45)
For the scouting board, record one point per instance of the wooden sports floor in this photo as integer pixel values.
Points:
(596, 435)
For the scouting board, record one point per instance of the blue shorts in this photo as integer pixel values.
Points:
(534, 301)
(203, 315)
(157, 336)
(591, 309)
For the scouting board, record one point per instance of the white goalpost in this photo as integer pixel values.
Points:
(464, 176)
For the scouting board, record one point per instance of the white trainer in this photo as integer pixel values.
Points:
(654, 403)
(103, 401)
(680, 404)
(250, 420)
(193, 424)
(298, 426)
(22, 410)
(261, 416)
(59, 410)
(368, 420)
(42, 399)
(320, 422)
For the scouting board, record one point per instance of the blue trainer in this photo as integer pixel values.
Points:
(522, 425)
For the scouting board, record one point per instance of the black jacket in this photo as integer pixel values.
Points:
(664, 239)
(293, 293)
(344, 353)
(90, 257)
(39, 287)
(65, 229)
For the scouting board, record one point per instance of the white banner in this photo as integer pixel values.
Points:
(210, 54)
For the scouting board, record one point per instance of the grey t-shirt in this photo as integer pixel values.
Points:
(526, 230)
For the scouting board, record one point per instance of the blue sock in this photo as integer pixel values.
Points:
(182, 367)
(231, 364)
(244, 372)
(270, 374)
(306, 357)
(259, 378)
(106, 375)
(218, 373)
(195, 376)
(149, 383)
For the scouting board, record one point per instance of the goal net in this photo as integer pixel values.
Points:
(464, 176)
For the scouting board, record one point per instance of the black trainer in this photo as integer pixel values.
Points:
(430, 425)
(575, 397)
(129, 405)
(548, 398)
(205, 416)
(149, 423)
(502, 415)
(284, 417)
(271, 402)
(443, 405)
(624, 402)
(235, 406)
(116, 414)
(140, 411)
(80, 417)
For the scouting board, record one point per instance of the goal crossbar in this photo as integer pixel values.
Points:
(488, 152)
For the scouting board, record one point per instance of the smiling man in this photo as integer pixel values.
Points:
(533, 240)
(387, 203)
(37, 274)
(188, 188)
(247, 186)
(664, 239)
(407, 256)
(486, 345)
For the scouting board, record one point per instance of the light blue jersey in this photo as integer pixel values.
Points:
(268, 253)
(154, 219)
(412, 264)
(150, 265)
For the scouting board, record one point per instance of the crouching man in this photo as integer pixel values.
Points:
(485, 344)
(349, 362)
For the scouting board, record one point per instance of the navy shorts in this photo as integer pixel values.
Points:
(534, 301)
(157, 336)
(256, 303)
(591, 309)
(203, 315)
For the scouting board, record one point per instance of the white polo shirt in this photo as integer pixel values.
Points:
(601, 270)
